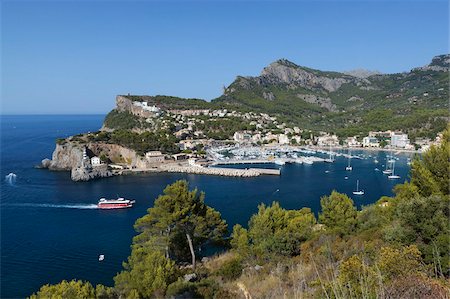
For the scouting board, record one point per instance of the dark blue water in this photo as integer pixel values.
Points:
(49, 232)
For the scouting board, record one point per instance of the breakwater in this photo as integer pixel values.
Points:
(234, 172)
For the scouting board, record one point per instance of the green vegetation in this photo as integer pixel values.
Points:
(121, 120)
(395, 248)
(180, 222)
(222, 128)
(160, 140)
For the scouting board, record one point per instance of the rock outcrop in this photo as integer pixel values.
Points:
(440, 63)
(321, 101)
(90, 172)
(284, 71)
(69, 157)
(66, 156)
(125, 104)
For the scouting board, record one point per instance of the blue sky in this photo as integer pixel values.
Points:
(74, 57)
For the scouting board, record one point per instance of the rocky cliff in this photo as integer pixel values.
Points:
(69, 157)
(66, 156)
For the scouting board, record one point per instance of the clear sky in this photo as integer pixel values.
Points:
(75, 57)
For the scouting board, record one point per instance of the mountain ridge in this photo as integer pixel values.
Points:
(330, 100)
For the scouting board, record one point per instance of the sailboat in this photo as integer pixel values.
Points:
(388, 169)
(393, 176)
(349, 167)
(358, 192)
(330, 159)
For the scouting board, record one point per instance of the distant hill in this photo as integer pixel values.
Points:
(348, 103)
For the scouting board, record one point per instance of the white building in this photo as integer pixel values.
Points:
(352, 142)
(154, 156)
(370, 142)
(283, 139)
(145, 106)
(399, 140)
(328, 140)
(242, 137)
(95, 161)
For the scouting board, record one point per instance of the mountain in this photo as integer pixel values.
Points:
(346, 102)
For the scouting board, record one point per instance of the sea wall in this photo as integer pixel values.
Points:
(210, 170)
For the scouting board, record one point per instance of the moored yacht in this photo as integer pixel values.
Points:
(358, 192)
(393, 176)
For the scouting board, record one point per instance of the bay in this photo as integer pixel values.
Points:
(50, 229)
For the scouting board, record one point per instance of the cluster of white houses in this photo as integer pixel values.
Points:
(375, 139)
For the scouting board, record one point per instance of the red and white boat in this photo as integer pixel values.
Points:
(120, 203)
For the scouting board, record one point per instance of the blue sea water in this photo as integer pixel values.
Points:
(50, 229)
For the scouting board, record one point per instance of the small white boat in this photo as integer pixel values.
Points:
(308, 161)
(349, 167)
(101, 257)
(388, 169)
(393, 176)
(358, 192)
(346, 178)
(330, 158)
(279, 162)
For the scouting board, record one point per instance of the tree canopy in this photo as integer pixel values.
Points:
(181, 221)
(338, 213)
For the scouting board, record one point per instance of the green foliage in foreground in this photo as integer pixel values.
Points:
(181, 222)
(274, 231)
(66, 289)
(395, 248)
(147, 274)
(338, 213)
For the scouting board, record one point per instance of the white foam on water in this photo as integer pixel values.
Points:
(57, 206)
(11, 178)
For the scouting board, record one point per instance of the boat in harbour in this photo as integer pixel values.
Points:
(349, 167)
(358, 192)
(330, 158)
(280, 162)
(393, 176)
(388, 169)
(119, 203)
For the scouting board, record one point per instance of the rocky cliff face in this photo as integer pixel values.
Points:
(69, 157)
(283, 71)
(66, 156)
(89, 173)
(439, 63)
(124, 104)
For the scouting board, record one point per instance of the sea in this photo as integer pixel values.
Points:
(51, 229)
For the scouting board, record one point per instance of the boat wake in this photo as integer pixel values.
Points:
(11, 179)
(68, 206)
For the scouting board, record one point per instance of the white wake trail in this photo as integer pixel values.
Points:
(57, 206)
